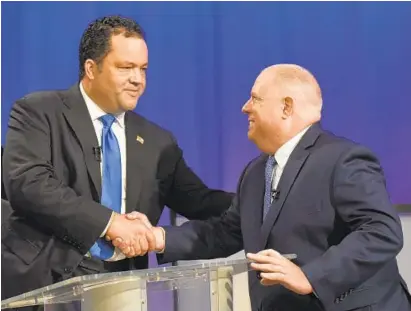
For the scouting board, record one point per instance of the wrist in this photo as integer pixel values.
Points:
(160, 235)
(111, 224)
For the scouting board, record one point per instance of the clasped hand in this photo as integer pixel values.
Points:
(134, 235)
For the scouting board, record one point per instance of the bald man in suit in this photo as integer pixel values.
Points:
(311, 193)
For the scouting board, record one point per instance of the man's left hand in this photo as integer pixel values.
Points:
(276, 269)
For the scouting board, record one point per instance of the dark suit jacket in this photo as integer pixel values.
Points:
(5, 210)
(53, 183)
(3, 191)
(333, 211)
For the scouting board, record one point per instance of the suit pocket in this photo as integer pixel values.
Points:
(20, 240)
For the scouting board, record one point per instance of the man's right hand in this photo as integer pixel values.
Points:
(132, 235)
(159, 233)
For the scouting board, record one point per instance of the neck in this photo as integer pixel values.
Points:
(94, 96)
(274, 142)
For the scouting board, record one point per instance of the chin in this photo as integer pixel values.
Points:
(129, 106)
(252, 138)
(258, 143)
(251, 133)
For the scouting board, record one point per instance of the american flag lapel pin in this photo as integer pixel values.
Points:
(140, 139)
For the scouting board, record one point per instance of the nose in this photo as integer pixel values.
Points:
(246, 106)
(137, 76)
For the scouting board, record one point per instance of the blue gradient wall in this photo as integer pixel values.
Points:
(205, 56)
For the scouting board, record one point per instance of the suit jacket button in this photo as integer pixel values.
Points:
(68, 270)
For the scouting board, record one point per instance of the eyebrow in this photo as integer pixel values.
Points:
(133, 64)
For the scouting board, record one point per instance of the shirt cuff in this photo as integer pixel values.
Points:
(164, 239)
(108, 225)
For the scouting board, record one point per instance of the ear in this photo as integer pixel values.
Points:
(288, 107)
(90, 69)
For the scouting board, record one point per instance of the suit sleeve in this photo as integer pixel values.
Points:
(212, 238)
(33, 188)
(360, 198)
(187, 194)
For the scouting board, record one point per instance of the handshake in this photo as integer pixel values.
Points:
(134, 235)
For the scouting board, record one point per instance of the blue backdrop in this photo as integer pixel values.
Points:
(205, 56)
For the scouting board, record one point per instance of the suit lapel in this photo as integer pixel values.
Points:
(78, 118)
(253, 201)
(137, 151)
(291, 171)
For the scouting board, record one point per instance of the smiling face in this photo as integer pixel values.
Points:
(284, 100)
(265, 110)
(119, 79)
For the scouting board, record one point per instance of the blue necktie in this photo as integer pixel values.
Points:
(111, 182)
(269, 166)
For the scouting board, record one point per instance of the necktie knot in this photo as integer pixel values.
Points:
(107, 120)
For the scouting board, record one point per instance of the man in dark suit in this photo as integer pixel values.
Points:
(3, 191)
(76, 161)
(310, 193)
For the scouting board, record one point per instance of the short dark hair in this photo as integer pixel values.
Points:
(96, 40)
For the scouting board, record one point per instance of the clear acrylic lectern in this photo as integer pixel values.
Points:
(141, 290)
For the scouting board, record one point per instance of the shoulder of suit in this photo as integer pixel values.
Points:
(148, 125)
(47, 99)
(333, 144)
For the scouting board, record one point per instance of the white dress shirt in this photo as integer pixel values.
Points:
(282, 155)
(118, 128)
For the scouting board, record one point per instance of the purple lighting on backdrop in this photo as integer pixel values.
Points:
(205, 56)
